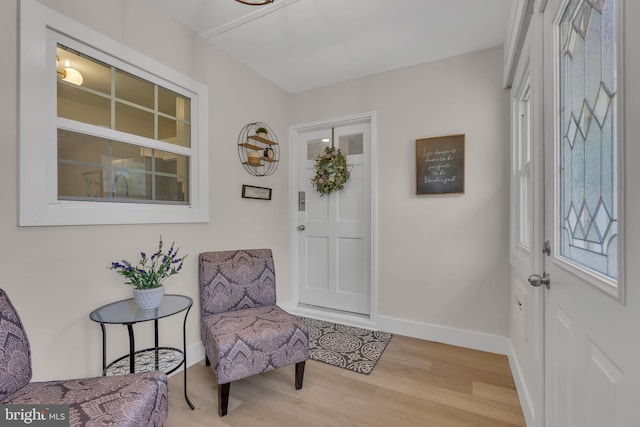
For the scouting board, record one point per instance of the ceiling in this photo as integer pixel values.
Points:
(303, 44)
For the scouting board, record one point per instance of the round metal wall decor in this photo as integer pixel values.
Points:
(258, 149)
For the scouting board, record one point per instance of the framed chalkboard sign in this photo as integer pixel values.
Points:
(440, 165)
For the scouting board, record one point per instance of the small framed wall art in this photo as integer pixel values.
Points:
(440, 165)
(92, 182)
(251, 192)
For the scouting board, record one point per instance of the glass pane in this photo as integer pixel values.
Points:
(174, 105)
(132, 184)
(525, 211)
(169, 188)
(82, 106)
(588, 187)
(171, 177)
(351, 144)
(91, 168)
(131, 177)
(524, 135)
(316, 147)
(76, 147)
(90, 100)
(127, 172)
(122, 151)
(95, 74)
(135, 121)
(79, 182)
(173, 131)
(134, 89)
(80, 173)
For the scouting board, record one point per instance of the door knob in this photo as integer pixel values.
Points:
(301, 227)
(536, 280)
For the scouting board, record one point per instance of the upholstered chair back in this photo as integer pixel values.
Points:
(15, 353)
(234, 280)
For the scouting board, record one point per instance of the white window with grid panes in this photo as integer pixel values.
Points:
(120, 138)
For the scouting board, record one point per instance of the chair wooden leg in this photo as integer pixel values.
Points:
(299, 374)
(223, 398)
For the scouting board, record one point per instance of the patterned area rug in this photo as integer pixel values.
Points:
(345, 346)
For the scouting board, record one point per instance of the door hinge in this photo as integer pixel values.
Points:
(546, 248)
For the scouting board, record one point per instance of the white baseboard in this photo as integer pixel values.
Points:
(444, 334)
(526, 402)
(360, 321)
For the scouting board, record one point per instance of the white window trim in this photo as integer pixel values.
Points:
(39, 204)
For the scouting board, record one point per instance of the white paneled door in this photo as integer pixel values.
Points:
(333, 235)
(592, 346)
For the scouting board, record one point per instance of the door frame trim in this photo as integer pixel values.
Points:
(294, 131)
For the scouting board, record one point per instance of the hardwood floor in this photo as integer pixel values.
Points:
(415, 383)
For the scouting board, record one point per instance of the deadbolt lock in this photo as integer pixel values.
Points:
(536, 280)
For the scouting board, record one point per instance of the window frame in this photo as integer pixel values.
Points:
(40, 31)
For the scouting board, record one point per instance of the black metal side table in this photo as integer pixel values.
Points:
(165, 359)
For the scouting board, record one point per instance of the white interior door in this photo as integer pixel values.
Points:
(591, 340)
(527, 216)
(334, 231)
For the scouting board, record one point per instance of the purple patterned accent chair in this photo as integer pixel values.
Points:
(133, 400)
(243, 331)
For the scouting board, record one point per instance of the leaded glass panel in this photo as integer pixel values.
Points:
(588, 187)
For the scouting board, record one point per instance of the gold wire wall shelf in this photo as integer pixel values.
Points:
(258, 149)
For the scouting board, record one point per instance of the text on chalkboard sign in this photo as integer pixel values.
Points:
(440, 165)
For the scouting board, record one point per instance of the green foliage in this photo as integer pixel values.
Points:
(331, 171)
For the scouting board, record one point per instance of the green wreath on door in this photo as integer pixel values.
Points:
(332, 171)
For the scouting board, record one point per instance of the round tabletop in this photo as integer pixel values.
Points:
(128, 312)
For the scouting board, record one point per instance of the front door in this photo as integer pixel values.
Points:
(334, 231)
(592, 345)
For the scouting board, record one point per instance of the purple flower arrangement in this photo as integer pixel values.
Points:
(150, 271)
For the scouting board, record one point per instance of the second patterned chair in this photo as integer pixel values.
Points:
(243, 331)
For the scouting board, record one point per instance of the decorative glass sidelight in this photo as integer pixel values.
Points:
(588, 136)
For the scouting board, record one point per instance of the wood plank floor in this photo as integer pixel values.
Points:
(415, 383)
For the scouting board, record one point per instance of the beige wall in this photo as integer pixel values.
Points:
(442, 260)
(57, 275)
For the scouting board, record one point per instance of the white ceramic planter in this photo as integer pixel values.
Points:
(148, 298)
